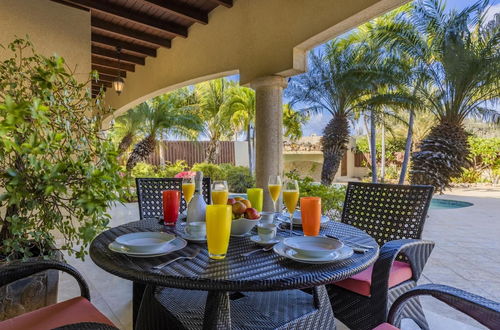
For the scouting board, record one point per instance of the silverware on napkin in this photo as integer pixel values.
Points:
(160, 266)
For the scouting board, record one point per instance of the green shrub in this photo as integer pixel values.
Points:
(469, 175)
(212, 171)
(169, 170)
(239, 178)
(332, 197)
(144, 170)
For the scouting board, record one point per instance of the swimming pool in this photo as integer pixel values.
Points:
(440, 204)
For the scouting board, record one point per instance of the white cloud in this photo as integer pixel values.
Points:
(316, 124)
(494, 9)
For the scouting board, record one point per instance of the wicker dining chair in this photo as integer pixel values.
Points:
(64, 315)
(394, 215)
(484, 311)
(149, 194)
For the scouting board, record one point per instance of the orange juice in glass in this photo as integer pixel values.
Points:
(219, 193)
(188, 188)
(274, 186)
(310, 209)
(218, 219)
(290, 198)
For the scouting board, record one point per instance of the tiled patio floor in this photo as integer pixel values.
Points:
(467, 256)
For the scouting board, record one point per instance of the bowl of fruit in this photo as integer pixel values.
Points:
(245, 217)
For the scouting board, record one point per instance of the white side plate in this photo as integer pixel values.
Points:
(341, 254)
(175, 245)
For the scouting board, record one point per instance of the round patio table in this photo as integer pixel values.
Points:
(219, 279)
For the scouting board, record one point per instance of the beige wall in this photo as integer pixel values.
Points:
(254, 38)
(53, 29)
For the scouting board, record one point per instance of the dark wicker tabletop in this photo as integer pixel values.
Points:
(262, 271)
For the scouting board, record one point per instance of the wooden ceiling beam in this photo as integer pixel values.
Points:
(109, 71)
(133, 16)
(129, 33)
(101, 83)
(225, 3)
(113, 54)
(105, 77)
(180, 10)
(104, 40)
(111, 63)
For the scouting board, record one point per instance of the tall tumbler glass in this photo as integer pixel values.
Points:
(256, 197)
(310, 209)
(171, 204)
(218, 219)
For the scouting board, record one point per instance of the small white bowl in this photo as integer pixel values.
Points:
(144, 241)
(313, 247)
(242, 226)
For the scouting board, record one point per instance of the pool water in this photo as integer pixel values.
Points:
(440, 204)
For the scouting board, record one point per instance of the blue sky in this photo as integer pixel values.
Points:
(318, 122)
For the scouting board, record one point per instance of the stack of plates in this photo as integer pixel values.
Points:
(147, 244)
(313, 250)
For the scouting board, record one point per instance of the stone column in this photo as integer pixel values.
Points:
(268, 131)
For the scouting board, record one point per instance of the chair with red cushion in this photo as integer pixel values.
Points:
(484, 311)
(77, 312)
(394, 215)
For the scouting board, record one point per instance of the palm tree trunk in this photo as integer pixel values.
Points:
(141, 150)
(409, 141)
(442, 156)
(125, 143)
(334, 144)
(373, 145)
(212, 151)
(249, 142)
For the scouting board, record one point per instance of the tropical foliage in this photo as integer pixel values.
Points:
(460, 61)
(57, 173)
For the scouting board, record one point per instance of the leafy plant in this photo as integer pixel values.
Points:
(332, 197)
(57, 172)
(239, 178)
(213, 171)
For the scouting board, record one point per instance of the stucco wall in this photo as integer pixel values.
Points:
(53, 29)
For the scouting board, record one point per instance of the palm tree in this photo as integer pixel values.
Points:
(169, 114)
(126, 128)
(338, 82)
(293, 122)
(243, 116)
(215, 111)
(461, 60)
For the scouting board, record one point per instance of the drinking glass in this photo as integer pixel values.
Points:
(219, 193)
(290, 198)
(310, 209)
(188, 189)
(256, 196)
(274, 186)
(218, 219)
(171, 203)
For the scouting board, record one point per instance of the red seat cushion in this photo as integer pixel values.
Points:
(361, 282)
(71, 311)
(385, 326)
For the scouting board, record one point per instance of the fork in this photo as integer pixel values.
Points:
(160, 266)
(265, 249)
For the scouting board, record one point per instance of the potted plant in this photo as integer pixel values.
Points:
(58, 174)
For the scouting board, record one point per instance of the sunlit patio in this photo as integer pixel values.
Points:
(184, 249)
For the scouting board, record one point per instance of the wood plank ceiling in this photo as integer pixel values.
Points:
(139, 28)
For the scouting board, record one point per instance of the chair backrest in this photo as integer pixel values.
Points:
(387, 211)
(149, 194)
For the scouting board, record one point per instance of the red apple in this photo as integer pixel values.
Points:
(231, 201)
(239, 208)
(252, 214)
(247, 203)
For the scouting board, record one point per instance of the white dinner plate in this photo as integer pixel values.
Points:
(145, 242)
(336, 256)
(297, 219)
(175, 245)
(256, 239)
